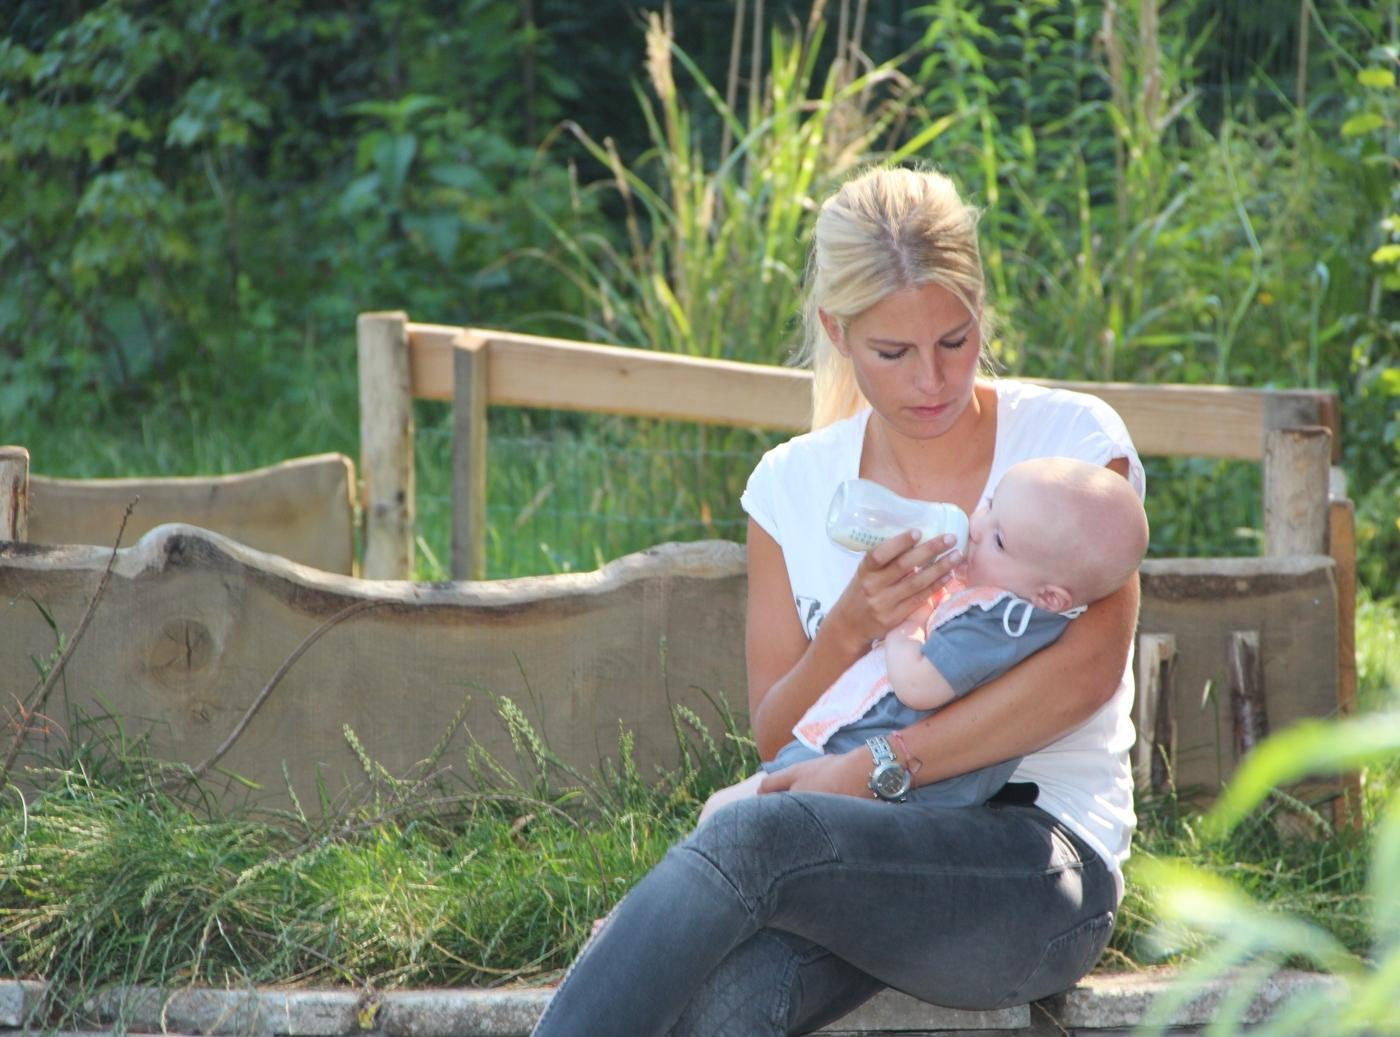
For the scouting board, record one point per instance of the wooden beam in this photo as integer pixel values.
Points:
(1296, 475)
(1248, 706)
(533, 371)
(1154, 707)
(469, 458)
(14, 493)
(386, 444)
(1341, 545)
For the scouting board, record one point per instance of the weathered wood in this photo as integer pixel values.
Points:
(1303, 408)
(1292, 602)
(386, 444)
(14, 493)
(302, 509)
(1154, 707)
(1296, 474)
(193, 625)
(1341, 543)
(1249, 710)
(469, 459)
(532, 371)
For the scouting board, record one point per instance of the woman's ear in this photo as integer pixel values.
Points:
(1052, 598)
(834, 331)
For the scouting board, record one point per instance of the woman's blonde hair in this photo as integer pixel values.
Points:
(885, 230)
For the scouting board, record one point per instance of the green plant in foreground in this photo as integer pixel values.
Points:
(1250, 940)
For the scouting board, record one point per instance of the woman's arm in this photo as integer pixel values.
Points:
(1038, 700)
(787, 673)
(1026, 708)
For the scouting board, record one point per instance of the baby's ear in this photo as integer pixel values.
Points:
(1052, 598)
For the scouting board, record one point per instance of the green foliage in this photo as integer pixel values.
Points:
(1249, 940)
(186, 187)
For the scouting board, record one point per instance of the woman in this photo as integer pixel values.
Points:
(783, 912)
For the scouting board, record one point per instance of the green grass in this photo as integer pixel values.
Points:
(470, 871)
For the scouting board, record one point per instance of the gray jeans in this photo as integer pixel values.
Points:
(783, 912)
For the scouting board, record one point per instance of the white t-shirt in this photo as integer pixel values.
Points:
(1084, 776)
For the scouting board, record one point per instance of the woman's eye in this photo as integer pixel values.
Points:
(997, 540)
(890, 355)
(954, 345)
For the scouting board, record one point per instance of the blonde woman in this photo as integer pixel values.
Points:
(783, 912)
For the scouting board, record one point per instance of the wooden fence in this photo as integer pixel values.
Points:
(473, 368)
(1292, 434)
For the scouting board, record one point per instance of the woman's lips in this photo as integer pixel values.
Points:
(929, 412)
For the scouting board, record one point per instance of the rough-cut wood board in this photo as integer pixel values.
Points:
(1291, 602)
(193, 625)
(301, 509)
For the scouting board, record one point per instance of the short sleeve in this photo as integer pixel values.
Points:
(1105, 438)
(973, 648)
(757, 498)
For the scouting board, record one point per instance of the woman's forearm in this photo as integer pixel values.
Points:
(1037, 701)
(774, 716)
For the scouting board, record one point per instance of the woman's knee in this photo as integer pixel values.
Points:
(755, 842)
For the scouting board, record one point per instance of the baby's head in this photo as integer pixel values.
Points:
(1057, 532)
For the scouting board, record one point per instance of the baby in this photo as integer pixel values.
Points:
(1057, 535)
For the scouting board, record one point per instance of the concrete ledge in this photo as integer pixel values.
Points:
(1102, 1006)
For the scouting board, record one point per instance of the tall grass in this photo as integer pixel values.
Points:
(468, 871)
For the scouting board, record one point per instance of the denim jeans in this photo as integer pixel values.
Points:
(783, 912)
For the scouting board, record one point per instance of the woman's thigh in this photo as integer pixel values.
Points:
(965, 907)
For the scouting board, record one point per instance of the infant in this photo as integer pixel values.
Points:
(1057, 535)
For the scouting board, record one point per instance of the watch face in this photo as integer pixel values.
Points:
(890, 781)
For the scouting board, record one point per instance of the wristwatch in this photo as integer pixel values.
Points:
(890, 780)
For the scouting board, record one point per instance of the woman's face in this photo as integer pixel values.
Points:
(915, 358)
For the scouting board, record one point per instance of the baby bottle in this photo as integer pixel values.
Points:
(864, 513)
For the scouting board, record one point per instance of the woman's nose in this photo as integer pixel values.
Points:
(929, 377)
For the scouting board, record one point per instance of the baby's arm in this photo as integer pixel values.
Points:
(916, 681)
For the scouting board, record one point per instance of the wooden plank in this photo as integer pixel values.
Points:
(192, 625)
(1249, 711)
(1153, 707)
(533, 371)
(386, 444)
(302, 509)
(14, 493)
(1221, 421)
(1341, 545)
(1296, 474)
(469, 460)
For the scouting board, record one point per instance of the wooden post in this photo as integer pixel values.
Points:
(1155, 749)
(1341, 545)
(470, 400)
(1250, 718)
(14, 493)
(386, 445)
(1296, 463)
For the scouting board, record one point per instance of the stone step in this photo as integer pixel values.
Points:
(1108, 1005)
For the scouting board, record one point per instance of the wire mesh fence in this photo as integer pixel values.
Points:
(570, 492)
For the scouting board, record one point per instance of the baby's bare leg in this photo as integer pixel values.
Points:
(743, 790)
